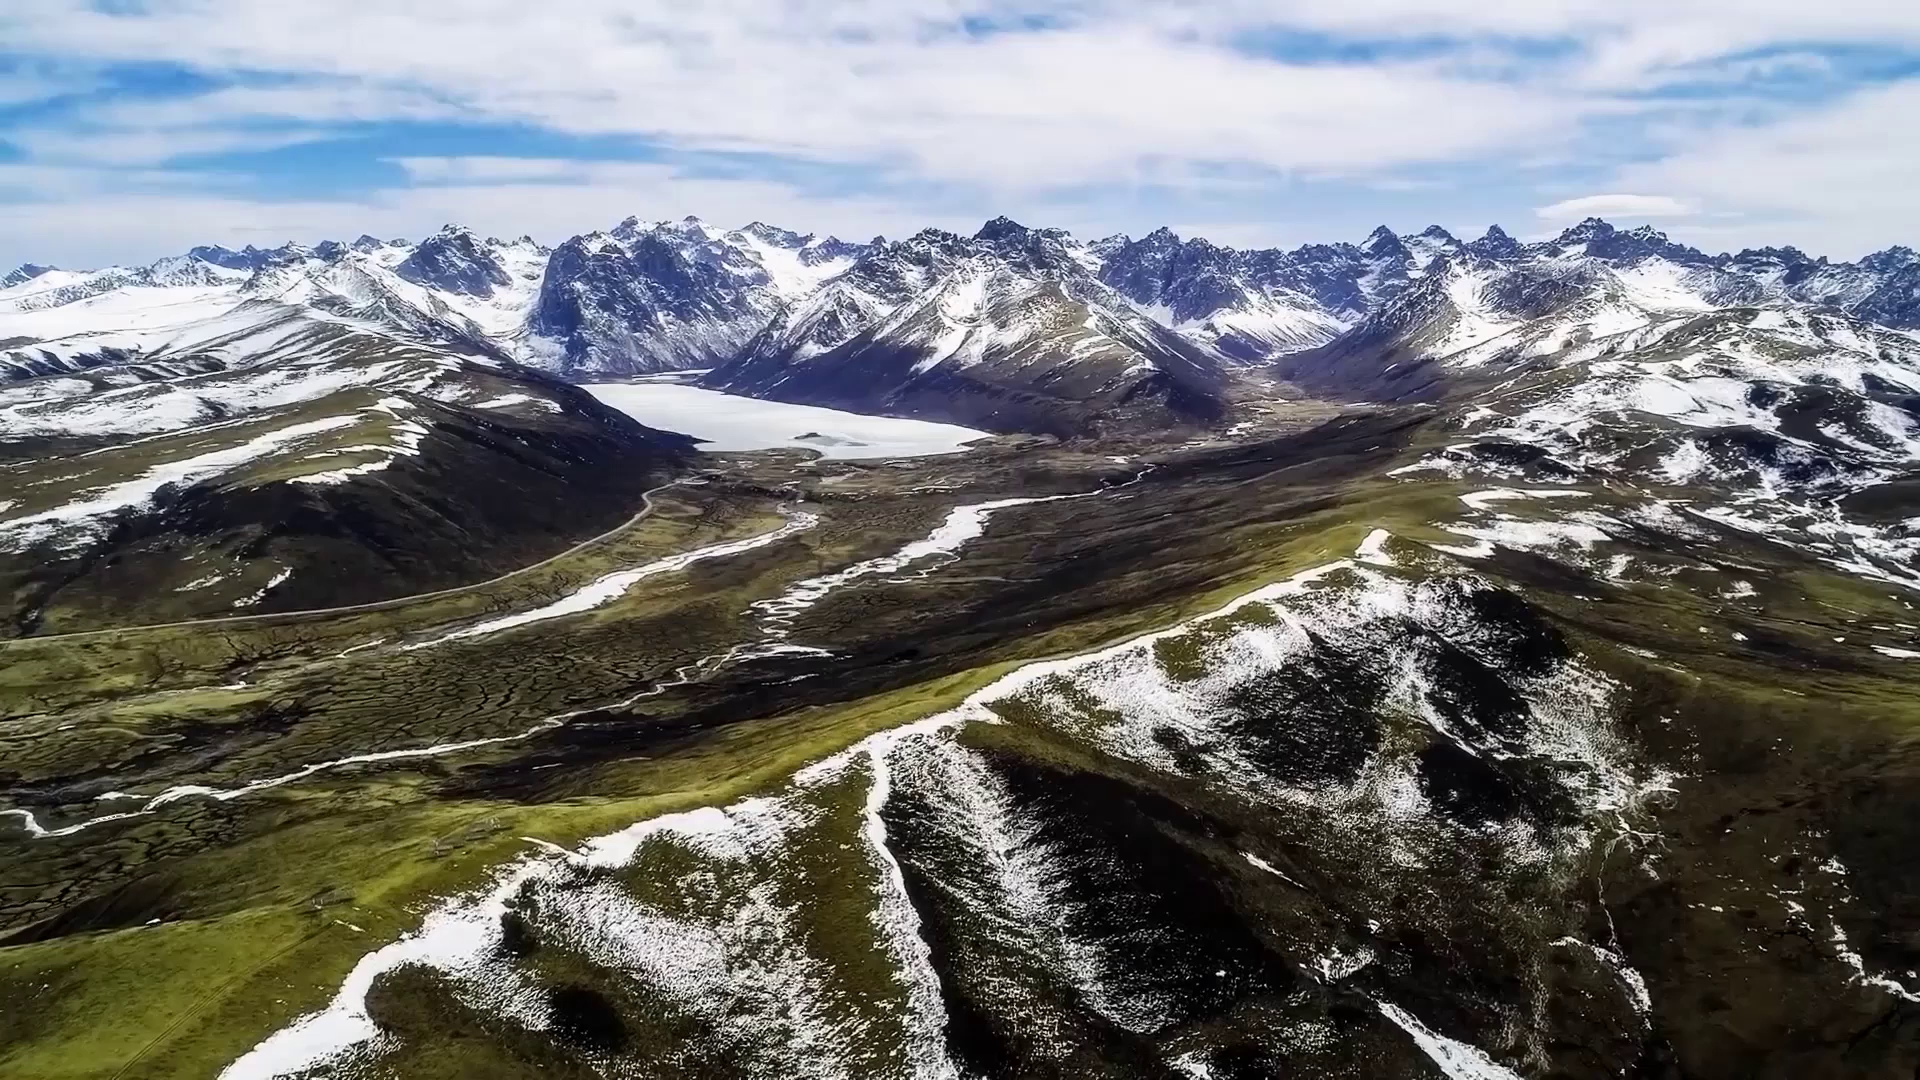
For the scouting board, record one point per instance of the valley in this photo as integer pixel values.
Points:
(1125, 659)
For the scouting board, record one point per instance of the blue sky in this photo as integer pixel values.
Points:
(130, 129)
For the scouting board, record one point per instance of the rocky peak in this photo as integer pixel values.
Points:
(774, 236)
(1891, 260)
(631, 227)
(1328, 273)
(1772, 257)
(1496, 244)
(227, 257)
(821, 251)
(1162, 237)
(1144, 270)
(1003, 230)
(1587, 231)
(454, 259)
(250, 258)
(1895, 296)
(690, 226)
(1105, 247)
(1041, 251)
(1431, 246)
(834, 243)
(1597, 239)
(1382, 243)
(924, 248)
(22, 274)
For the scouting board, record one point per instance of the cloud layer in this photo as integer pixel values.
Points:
(132, 124)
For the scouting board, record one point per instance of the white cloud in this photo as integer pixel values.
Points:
(233, 118)
(1626, 206)
(1837, 181)
(1114, 94)
(871, 84)
(492, 170)
(124, 147)
(103, 226)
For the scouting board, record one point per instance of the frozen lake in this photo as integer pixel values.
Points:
(728, 422)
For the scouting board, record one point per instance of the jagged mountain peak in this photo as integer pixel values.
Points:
(22, 274)
(1586, 229)
(1049, 252)
(1587, 235)
(656, 296)
(689, 226)
(1890, 259)
(1597, 238)
(832, 248)
(993, 338)
(1495, 244)
(631, 227)
(931, 237)
(1382, 239)
(651, 294)
(776, 236)
(1000, 229)
(457, 261)
(1429, 246)
(251, 258)
(1783, 253)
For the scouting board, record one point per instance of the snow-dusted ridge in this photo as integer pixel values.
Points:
(648, 296)
(461, 936)
(728, 939)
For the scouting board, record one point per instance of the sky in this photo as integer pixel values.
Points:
(132, 129)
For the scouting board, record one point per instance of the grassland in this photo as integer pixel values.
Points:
(164, 945)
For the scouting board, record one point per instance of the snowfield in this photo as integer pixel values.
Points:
(726, 422)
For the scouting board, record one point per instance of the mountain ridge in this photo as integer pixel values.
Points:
(774, 311)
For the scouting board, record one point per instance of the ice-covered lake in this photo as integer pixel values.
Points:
(728, 422)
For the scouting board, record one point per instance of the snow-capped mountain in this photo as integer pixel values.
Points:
(1217, 297)
(1594, 290)
(671, 295)
(198, 434)
(1006, 329)
(454, 260)
(889, 324)
(452, 289)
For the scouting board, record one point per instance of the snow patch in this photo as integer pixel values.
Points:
(728, 423)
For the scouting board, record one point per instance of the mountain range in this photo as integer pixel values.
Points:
(1608, 348)
(1012, 328)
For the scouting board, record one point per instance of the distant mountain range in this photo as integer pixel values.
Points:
(1013, 328)
(1606, 348)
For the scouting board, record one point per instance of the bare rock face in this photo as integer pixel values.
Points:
(454, 260)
